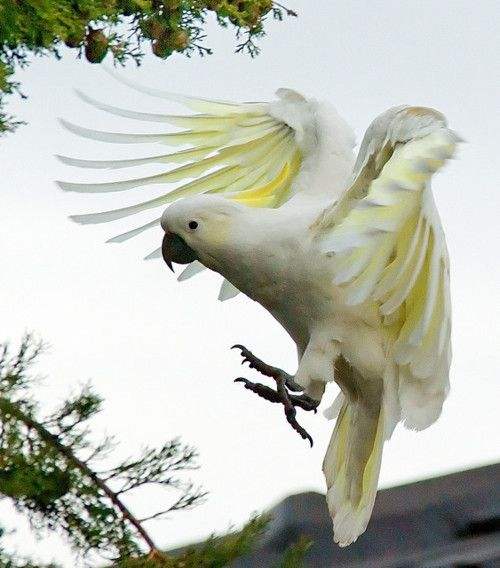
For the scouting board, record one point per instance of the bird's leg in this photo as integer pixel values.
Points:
(284, 384)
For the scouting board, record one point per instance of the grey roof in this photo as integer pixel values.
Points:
(453, 520)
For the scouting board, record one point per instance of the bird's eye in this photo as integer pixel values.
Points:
(193, 225)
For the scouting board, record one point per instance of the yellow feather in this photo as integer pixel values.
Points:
(264, 194)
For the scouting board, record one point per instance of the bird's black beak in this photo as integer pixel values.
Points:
(175, 249)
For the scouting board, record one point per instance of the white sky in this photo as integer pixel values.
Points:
(157, 350)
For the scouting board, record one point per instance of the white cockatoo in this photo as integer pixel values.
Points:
(347, 254)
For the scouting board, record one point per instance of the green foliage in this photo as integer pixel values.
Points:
(48, 466)
(7, 87)
(122, 28)
(294, 556)
(48, 469)
(218, 552)
(214, 553)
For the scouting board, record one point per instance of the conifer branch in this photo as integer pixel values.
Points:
(9, 409)
(44, 474)
(42, 471)
(121, 28)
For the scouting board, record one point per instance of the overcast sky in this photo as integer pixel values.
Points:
(157, 350)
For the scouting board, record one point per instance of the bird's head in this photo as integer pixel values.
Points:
(197, 228)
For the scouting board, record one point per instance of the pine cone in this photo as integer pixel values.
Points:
(179, 39)
(161, 48)
(96, 46)
(153, 28)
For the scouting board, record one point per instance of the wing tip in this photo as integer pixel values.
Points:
(71, 186)
(76, 162)
(63, 159)
(62, 185)
(82, 95)
(91, 218)
(153, 255)
(66, 124)
(79, 219)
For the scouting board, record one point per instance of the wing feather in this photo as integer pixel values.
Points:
(388, 247)
(191, 270)
(211, 182)
(134, 232)
(180, 157)
(173, 139)
(200, 122)
(211, 106)
(227, 291)
(239, 150)
(153, 255)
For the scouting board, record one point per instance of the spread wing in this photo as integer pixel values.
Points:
(388, 246)
(244, 152)
(237, 150)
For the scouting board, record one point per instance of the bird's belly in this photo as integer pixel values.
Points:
(299, 292)
(296, 304)
(317, 316)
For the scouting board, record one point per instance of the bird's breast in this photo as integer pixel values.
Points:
(288, 280)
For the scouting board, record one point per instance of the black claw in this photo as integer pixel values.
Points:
(260, 390)
(257, 364)
(302, 432)
(284, 383)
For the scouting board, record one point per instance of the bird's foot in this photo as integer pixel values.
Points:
(284, 384)
(267, 370)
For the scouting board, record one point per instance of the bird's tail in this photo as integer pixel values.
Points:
(351, 467)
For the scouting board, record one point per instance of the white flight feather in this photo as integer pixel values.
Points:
(134, 232)
(227, 291)
(177, 157)
(191, 270)
(154, 254)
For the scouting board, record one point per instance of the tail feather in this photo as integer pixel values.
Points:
(351, 468)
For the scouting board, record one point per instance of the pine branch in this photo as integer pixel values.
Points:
(295, 555)
(43, 472)
(120, 28)
(11, 410)
(288, 11)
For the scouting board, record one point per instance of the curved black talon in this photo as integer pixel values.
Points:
(248, 357)
(284, 384)
(265, 369)
(305, 402)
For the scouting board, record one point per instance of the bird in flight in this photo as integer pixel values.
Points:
(347, 254)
